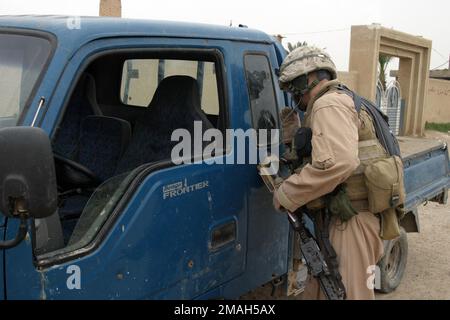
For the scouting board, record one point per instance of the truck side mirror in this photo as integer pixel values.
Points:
(27, 175)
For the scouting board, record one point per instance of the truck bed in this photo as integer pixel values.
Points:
(414, 146)
(427, 170)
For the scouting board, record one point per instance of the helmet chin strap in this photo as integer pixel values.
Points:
(312, 85)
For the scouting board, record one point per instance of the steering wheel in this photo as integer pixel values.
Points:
(72, 174)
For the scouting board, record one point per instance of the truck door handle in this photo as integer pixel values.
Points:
(222, 235)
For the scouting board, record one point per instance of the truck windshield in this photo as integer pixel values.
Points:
(22, 60)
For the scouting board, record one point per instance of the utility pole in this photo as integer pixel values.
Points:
(110, 8)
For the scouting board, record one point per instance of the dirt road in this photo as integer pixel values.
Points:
(427, 274)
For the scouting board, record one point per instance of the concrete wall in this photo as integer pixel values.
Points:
(438, 101)
(350, 79)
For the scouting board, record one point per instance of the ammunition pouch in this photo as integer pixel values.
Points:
(386, 194)
(390, 227)
(385, 187)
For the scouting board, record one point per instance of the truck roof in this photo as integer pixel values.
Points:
(78, 30)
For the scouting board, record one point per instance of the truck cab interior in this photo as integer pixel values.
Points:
(120, 116)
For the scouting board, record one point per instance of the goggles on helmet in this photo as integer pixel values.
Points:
(299, 86)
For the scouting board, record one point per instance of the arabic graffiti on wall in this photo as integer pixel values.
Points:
(439, 91)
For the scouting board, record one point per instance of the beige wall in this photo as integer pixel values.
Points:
(350, 79)
(438, 101)
(437, 107)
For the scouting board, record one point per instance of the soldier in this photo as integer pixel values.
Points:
(310, 75)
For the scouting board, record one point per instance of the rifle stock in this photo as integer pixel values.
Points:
(315, 261)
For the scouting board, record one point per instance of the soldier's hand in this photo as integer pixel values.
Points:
(290, 124)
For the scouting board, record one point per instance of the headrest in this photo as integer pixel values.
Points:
(86, 90)
(91, 93)
(175, 91)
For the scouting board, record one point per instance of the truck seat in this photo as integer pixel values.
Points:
(103, 141)
(82, 104)
(175, 105)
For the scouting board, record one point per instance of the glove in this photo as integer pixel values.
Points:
(290, 124)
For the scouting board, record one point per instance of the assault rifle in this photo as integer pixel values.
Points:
(327, 273)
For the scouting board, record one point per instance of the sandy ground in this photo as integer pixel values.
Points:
(427, 274)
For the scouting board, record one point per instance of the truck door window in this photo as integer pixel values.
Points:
(22, 60)
(261, 92)
(141, 77)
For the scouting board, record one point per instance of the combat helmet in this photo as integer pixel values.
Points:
(302, 61)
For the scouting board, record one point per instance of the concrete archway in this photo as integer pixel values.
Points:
(368, 42)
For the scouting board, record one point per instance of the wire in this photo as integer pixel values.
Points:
(442, 57)
(446, 62)
(439, 53)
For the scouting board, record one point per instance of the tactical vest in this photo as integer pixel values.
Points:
(363, 181)
(369, 150)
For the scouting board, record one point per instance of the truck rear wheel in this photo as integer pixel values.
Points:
(393, 264)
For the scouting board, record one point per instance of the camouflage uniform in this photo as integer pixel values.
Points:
(334, 122)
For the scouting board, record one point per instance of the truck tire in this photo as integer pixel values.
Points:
(393, 264)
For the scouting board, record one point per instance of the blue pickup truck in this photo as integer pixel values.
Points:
(92, 205)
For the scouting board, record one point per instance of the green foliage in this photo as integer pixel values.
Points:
(441, 127)
(299, 44)
(384, 62)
